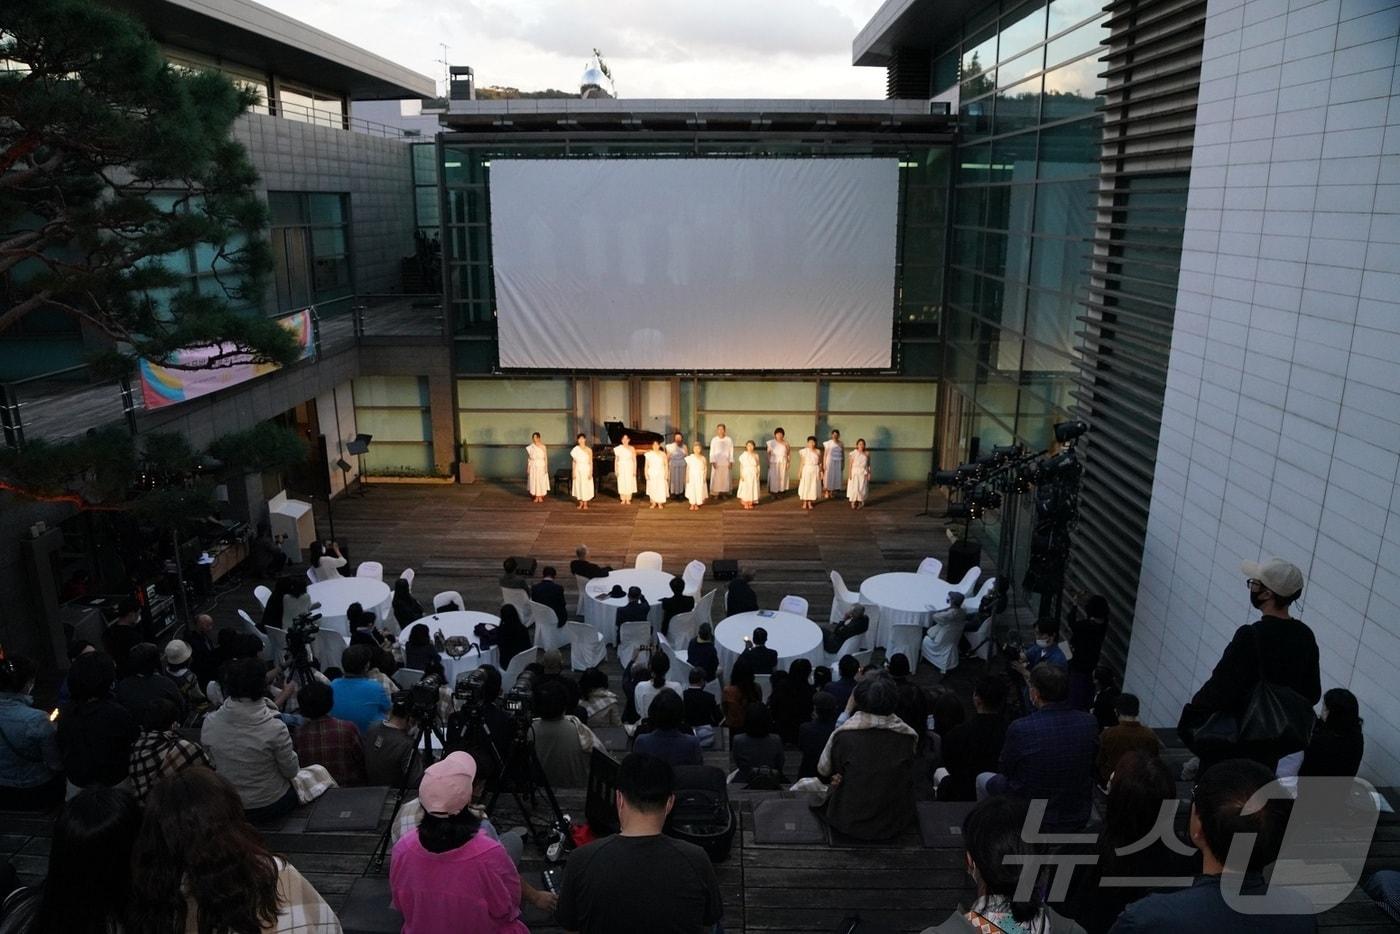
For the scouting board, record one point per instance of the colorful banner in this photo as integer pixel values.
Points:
(163, 385)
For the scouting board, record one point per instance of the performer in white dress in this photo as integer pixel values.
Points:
(582, 456)
(696, 481)
(656, 474)
(748, 475)
(676, 453)
(537, 468)
(859, 483)
(625, 467)
(833, 464)
(778, 454)
(809, 481)
(721, 461)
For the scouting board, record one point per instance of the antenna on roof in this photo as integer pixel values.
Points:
(446, 71)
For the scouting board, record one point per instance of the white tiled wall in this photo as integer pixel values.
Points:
(1281, 424)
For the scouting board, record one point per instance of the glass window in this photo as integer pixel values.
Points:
(1021, 29)
(1013, 158)
(286, 207)
(328, 241)
(1018, 108)
(945, 71)
(1072, 90)
(974, 164)
(425, 206)
(1070, 150)
(1065, 208)
(424, 164)
(1065, 13)
(1008, 73)
(1083, 40)
(978, 66)
(326, 208)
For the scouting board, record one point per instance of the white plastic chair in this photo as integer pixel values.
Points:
(906, 639)
(704, 609)
(311, 576)
(982, 640)
(446, 597)
(842, 599)
(371, 569)
(648, 561)
(406, 678)
(262, 594)
(850, 647)
(586, 646)
(516, 666)
(682, 629)
(694, 577)
(520, 599)
(407, 575)
(973, 603)
(549, 635)
(274, 645)
(793, 604)
(931, 566)
(969, 581)
(250, 626)
(328, 647)
(765, 685)
(635, 636)
(942, 650)
(863, 657)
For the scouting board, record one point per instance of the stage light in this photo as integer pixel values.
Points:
(1007, 452)
(1065, 432)
(969, 471)
(945, 477)
(960, 511)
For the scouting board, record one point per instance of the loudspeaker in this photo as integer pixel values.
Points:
(723, 569)
(525, 567)
(963, 556)
(466, 472)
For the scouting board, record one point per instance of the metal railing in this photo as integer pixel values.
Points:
(300, 113)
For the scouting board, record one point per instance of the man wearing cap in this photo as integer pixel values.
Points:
(446, 875)
(177, 669)
(1279, 647)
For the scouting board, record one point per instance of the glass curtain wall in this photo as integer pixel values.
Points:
(310, 239)
(1026, 170)
(395, 410)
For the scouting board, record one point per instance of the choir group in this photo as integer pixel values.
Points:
(680, 471)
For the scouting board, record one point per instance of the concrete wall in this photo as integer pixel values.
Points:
(335, 413)
(375, 171)
(1281, 426)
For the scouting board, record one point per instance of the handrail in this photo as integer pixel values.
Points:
(300, 113)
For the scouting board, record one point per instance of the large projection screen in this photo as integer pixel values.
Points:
(694, 264)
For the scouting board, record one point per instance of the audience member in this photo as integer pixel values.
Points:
(1133, 812)
(446, 875)
(869, 765)
(600, 705)
(1048, 754)
(582, 567)
(998, 853)
(563, 743)
(204, 657)
(757, 750)
(418, 649)
(199, 865)
(973, 746)
(124, 632)
(1127, 736)
(812, 736)
(359, 698)
(702, 711)
(948, 712)
(177, 662)
(95, 733)
(31, 777)
(761, 658)
(1277, 647)
(700, 653)
(636, 610)
(645, 691)
(602, 879)
(323, 740)
(87, 887)
(842, 687)
(1087, 635)
(913, 704)
(668, 739)
(1218, 816)
(406, 608)
(144, 683)
(1336, 746)
(160, 750)
(326, 560)
(364, 627)
(678, 602)
(821, 677)
(391, 747)
(739, 596)
(250, 746)
(296, 601)
(1107, 687)
(549, 593)
(936, 637)
(511, 578)
(1046, 647)
(739, 693)
(791, 703)
(552, 672)
(854, 623)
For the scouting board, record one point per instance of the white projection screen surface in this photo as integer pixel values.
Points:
(694, 264)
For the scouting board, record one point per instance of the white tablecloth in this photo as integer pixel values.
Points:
(600, 611)
(458, 623)
(790, 635)
(336, 595)
(903, 597)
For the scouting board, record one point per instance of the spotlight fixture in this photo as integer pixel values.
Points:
(1065, 432)
(1006, 452)
(961, 511)
(945, 477)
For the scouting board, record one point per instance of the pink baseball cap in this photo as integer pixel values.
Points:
(446, 787)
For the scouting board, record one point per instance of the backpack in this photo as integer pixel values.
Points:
(702, 814)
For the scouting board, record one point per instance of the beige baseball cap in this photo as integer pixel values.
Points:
(1276, 574)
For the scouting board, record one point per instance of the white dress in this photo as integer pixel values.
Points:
(721, 463)
(859, 484)
(656, 476)
(833, 464)
(778, 454)
(748, 477)
(697, 489)
(537, 469)
(809, 481)
(582, 489)
(625, 466)
(676, 455)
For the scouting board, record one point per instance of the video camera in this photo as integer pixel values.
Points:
(303, 628)
(421, 699)
(520, 702)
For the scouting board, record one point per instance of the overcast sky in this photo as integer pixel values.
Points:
(656, 48)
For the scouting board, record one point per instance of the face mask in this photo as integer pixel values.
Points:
(1256, 599)
(1044, 643)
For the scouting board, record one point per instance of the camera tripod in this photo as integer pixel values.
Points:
(429, 729)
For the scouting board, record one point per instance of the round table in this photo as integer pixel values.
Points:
(600, 611)
(336, 595)
(903, 597)
(790, 635)
(458, 623)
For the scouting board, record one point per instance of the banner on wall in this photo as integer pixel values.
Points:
(163, 385)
